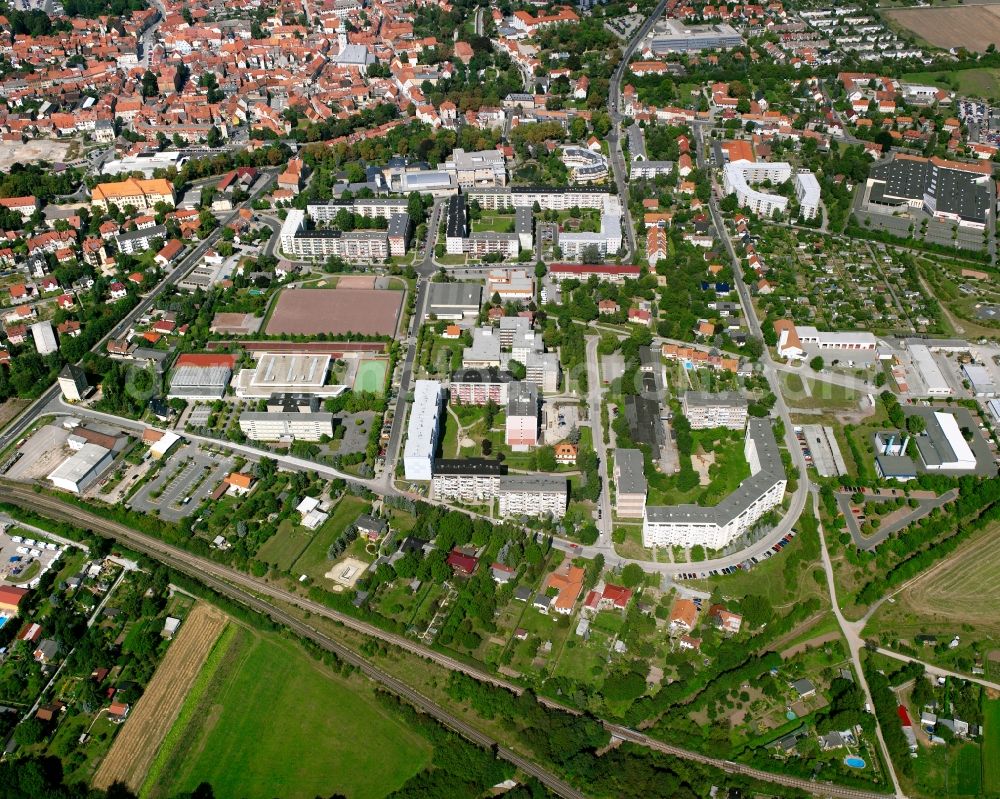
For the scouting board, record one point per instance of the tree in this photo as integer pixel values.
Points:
(915, 424)
(546, 459)
(150, 88)
(517, 369)
(29, 732)
(816, 364)
(632, 575)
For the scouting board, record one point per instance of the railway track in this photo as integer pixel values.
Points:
(255, 594)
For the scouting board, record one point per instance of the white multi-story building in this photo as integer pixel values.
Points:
(807, 192)
(497, 199)
(521, 431)
(585, 165)
(715, 527)
(630, 484)
(738, 177)
(264, 426)
(478, 386)
(475, 481)
(608, 240)
(422, 431)
(73, 382)
(354, 245)
(374, 207)
(532, 495)
(725, 409)
(479, 168)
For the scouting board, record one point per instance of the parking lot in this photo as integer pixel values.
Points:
(24, 558)
(187, 478)
(40, 454)
(557, 421)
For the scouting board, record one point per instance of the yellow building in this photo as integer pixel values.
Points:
(140, 194)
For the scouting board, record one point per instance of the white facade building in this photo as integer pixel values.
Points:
(264, 426)
(725, 409)
(532, 495)
(422, 430)
(807, 192)
(715, 527)
(738, 177)
(79, 470)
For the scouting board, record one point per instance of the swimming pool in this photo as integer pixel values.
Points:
(854, 761)
(3, 620)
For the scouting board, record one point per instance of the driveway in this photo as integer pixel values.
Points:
(924, 507)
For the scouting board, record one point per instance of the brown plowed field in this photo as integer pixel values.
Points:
(338, 311)
(152, 717)
(972, 27)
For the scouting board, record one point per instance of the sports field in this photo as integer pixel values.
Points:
(371, 376)
(274, 722)
(338, 311)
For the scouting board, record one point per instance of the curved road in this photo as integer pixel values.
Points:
(255, 593)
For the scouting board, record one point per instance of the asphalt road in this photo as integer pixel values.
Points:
(614, 135)
(425, 270)
(597, 434)
(268, 599)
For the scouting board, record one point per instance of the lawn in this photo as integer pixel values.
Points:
(809, 392)
(729, 468)
(771, 578)
(493, 223)
(314, 561)
(323, 734)
(954, 771)
(284, 547)
(991, 746)
(976, 82)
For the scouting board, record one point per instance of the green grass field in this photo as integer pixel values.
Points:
(284, 547)
(976, 82)
(991, 746)
(313, 561)
(371, 376)
(277, 723)
(494, 223)
(967, 771)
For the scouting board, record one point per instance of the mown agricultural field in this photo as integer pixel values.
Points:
(147, 725)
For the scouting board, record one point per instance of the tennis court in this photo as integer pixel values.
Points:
(371, 376)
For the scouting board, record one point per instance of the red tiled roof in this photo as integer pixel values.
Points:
(206, 359)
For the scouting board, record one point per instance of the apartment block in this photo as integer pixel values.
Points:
(630, 484)
(532, 495)
(725, 409)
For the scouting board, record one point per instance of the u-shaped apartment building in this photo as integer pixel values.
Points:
(715, 527)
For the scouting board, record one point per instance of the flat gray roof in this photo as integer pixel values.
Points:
(631, 475)
(454, 296)
(730, 399)
(522, 399)
(548, 484)
(771, 471)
